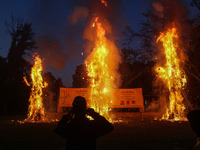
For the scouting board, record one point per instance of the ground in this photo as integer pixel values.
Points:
(134, 133)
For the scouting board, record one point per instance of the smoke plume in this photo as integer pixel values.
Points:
(60, 28)
(109, 12)
(58, 35)
(51, 50)
(78, 14)
(171, 11)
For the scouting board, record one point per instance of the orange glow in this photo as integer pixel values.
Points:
(36, 109)
(25, 80)
(101, 71)
(172, 75)
(104, 2)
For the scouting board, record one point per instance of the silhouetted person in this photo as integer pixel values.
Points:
(80, 132)
(194, 118)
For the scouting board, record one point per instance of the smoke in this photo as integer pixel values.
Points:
(85, 10)
(169, 14)
(60, 28)
(175, 11)
(172, 14)
(45, 17)
(58, 35)
(50, 49)
(159, 8)
(78, 14)
(153, 106)
(110, 16)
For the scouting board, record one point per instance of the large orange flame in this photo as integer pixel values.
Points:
(172, 74)
(36, 108)
(101, 71)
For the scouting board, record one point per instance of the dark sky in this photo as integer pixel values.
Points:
(50, 23)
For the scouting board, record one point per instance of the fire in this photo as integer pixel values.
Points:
(36, 108)
(25, 80)
(172, 75)
(104, 2)
(101, 70)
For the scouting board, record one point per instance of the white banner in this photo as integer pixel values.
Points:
(124, 98)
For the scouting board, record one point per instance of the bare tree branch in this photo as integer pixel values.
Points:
(134, 77)
(196, 4)
(13, 24)
(193, 71)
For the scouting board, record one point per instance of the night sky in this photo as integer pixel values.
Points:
(50, 22)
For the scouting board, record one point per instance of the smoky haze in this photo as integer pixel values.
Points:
(59, 28)
(85, 10)
(175, 11)
(58, 40)
(172, 14)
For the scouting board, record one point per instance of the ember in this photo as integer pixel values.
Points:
(105, 3)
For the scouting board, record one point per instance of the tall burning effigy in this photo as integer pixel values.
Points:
(36, 110)
(172, 74)
(102, 64)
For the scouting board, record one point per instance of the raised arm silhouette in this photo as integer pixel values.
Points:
(80, 132)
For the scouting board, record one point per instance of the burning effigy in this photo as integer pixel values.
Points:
(36, 110)
(102, 65)
(172, 75)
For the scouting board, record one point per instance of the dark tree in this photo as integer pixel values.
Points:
(80, 78)
(135, 73)
(196, 3)
(51, 93)
(193, 63)
(3, 66)
(22, 45)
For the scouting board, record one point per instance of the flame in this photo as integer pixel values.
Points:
(36, 108)
(25, 80)
(104, 2)
(101, 71)
(172, 75)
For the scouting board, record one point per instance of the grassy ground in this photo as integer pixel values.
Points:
(137, 134)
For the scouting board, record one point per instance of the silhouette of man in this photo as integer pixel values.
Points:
(80, 132)
(194, 118)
